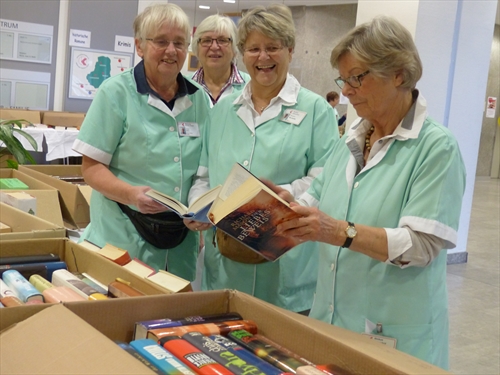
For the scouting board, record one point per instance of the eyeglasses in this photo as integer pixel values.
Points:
(353, 81)
(163, 44)
(256, 51)
(221, 42)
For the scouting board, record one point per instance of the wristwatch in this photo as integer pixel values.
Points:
(350, 232)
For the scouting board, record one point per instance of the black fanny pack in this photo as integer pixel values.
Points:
(164, 230)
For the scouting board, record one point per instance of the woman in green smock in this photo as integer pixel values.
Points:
(256, 129)
(387, 205)
(143, 131)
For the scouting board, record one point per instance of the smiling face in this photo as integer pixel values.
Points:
(375, 99)
(163, 64)
(267, 72)
(216, 56)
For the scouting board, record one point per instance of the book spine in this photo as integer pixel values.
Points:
(95, 281)
(217, 328)
(46, 268)
(160, 357)
(26, 259)
(265, 351)
(141, 328)
(40, 283)
(65, 278)
(58, 294)
(139, 357)
(193, 357)
(21, 287)
(246, 355)
(5, 291)
(286, 351)
(224, 356)
(11, 301)
(91, 283)
(309, 370)
(118, 289)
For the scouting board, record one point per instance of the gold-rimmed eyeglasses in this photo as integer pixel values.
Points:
(221, 42)
(256, 51)
(353, 81)
(162, 44)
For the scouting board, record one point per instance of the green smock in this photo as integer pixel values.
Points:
(136, 134)
(417, 179)
(283, 153)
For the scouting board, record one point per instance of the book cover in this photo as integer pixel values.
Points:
(159, 357)
(27, 259)
(246, 355)
(21, 287)
(196, 211)
(141, 328)
(58, 294)
(5, 291)
(248, 211)
(222, 355)
(139, 268)
(217, 328)
(40, 283)
(12, 184)
(122, 289)
(193, 357)
(115, 254)
(265, 351)
(45, 269)
(66, 278)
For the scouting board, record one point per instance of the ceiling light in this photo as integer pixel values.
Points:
(230, 1)
(203, 7)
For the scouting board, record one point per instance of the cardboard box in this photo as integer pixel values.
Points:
(75, 199)
(25, 226)
(20, 114)
(316, 341)
(48, 205)
(56, 341)
(79, 259)
(20, 200)
(4, 228)
(65, 119)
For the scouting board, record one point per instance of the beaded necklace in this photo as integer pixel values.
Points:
(367, 139)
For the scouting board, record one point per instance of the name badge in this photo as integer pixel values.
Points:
(293, 116)
(188, 129)
(389, 341)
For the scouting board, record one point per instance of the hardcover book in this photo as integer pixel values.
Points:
(21, 287)
(142, 328)
(196, 211)
(249, 212)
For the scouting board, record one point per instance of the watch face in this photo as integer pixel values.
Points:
(351, 232)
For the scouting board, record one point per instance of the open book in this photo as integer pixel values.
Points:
(248, 211)
(196, 211)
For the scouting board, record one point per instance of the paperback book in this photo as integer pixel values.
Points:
(249, 212)
(197, 210)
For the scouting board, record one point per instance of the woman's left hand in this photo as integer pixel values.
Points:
(196, 226)
(314, 225)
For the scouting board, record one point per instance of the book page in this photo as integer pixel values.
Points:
(205, 199)
(138, 268)
(234, 180)
(168, 201)
(168, 281)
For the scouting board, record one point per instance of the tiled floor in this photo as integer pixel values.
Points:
(473, 287)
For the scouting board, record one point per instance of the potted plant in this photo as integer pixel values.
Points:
(10, 145)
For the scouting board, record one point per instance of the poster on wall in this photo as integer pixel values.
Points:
(25, 41)
(90, 68)
(491, 107)
(24, 89)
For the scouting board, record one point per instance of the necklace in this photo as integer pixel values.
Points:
(367, 139)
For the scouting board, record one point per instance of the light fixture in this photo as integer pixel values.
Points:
(230, 1)
(203, 7)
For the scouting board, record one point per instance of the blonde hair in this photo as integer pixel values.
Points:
(155, 16)
(385, 46)
(217, 24)
(274, 21)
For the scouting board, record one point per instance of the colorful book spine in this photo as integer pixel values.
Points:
(95, 281)
(265, 351)
(21, 287)
(5, 291)
(66, 278)
(40, 283)
(122, 289)
(217, 328)
(246, 355)
(160, 357)
(92, 283)
(224, 356)
(125, 346)
(59, 294)
(45, 269)
(287, 351)
(11, 301)
(142, 328)
(193, 357)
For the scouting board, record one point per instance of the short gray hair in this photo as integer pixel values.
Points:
(218, 24)
(154, 16)
(274, 21)
(385, 46)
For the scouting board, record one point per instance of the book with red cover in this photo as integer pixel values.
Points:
(249, 211)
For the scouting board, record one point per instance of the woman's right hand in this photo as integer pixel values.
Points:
(145, 204)
(282, 193)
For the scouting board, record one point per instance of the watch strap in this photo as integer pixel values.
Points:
(348, 240)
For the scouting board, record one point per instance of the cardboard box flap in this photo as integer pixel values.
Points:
(56, 118)
(19, 114)
(58, 342)
(86, 192)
